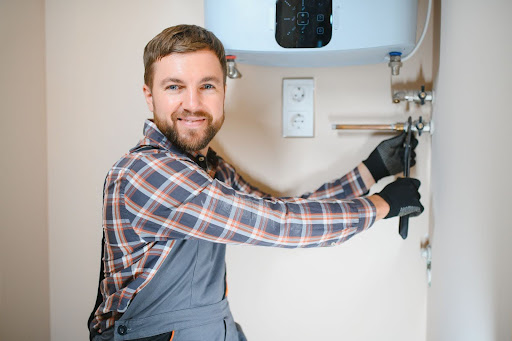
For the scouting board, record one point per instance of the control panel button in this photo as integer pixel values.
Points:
(303, 23)
(302, 18)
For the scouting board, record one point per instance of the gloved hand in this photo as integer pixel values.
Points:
(388, 158)
(402, 197)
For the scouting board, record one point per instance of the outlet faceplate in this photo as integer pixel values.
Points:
(298, 107)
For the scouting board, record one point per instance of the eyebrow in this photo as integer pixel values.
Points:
(171, 80)
(210, 78)
(179, 81)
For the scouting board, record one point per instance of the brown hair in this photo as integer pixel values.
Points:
(181, 39)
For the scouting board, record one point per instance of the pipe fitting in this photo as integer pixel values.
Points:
(395, 62)
(233, 71)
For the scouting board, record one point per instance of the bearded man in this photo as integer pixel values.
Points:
(171, 205)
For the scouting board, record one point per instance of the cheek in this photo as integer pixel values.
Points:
(165, 104)
(217, 106)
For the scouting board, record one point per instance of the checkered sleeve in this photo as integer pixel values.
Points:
(166, 198)
(232, 178)
(349, 186)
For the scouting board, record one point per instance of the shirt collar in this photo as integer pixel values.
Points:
(154, 137)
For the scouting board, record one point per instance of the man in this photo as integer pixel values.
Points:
(171, 205)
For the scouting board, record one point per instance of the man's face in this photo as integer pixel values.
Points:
(187, 98)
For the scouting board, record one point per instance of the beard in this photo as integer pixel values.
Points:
(190, 140)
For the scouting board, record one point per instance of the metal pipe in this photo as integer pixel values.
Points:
(387, 127)
(417, 126)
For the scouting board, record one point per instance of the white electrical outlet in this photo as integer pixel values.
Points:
(298, 107)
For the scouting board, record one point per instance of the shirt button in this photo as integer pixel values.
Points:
(201, 158)
(122, 330)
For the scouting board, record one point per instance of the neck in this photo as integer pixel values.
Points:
(203, 151)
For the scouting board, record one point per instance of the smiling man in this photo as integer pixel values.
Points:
(171, 205)
(187, 98)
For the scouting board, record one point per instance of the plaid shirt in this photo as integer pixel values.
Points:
(156, 194)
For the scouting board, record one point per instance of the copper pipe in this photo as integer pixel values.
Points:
(386, 127)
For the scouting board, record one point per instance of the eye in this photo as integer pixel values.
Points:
(173, 87)
(208, 86)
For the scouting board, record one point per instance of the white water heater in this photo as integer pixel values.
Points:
(313, 33)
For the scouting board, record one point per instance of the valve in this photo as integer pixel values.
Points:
(420, 126)
(413, 96)
(422, 95)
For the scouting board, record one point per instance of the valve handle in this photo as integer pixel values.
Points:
(422, 95)
(420, 126)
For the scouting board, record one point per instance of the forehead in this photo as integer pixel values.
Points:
(189, 64)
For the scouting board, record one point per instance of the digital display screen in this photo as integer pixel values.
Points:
(303, 23)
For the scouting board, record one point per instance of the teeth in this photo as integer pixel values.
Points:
(191, 120)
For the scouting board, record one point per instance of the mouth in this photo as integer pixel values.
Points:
(192, 121)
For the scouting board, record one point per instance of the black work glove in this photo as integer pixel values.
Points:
(403, 197)
(388, 158)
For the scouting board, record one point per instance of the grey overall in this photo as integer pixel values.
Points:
(186, 295)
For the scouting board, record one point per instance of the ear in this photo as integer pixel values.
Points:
(148, 96)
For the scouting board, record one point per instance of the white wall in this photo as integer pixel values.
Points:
(371, 288)
(472, 276)
(24, 280)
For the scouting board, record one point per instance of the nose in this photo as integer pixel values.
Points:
(192, 100)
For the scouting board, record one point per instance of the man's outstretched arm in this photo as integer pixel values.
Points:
(164, 198)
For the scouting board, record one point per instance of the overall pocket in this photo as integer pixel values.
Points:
(161, 337)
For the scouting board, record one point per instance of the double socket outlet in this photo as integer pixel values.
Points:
(298, 107)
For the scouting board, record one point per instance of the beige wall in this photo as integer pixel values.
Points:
(24, 283)
(472, 276)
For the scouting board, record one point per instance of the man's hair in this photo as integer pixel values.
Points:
(181, 39)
